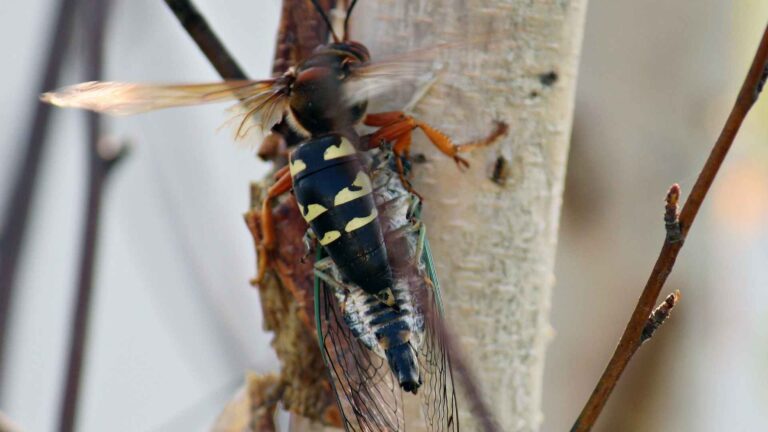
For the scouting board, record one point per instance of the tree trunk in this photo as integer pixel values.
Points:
(494, 241)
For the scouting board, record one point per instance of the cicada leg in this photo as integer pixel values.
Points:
(267, 246)
(322, 271)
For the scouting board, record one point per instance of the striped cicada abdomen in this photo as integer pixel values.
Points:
(375, 352)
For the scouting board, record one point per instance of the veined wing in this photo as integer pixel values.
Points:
(264, 101)
(369, 396)
(438, 392)
(369, 80)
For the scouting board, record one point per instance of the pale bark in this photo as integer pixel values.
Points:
(494, 245)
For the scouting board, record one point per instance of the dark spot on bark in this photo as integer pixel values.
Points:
(548, 79)
(500, 171)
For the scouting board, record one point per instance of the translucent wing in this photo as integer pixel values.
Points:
(369, 80)
(438, 393)
(264, 101)
(368, 394)
(376, 79)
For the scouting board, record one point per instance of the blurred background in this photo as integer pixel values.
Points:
(176, 323)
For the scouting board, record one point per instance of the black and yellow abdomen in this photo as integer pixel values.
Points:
(333, 190)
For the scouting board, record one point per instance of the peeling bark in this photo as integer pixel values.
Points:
(494, 228)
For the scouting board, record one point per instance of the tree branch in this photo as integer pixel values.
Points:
(632, 338)
(197, 27)
(99, 166)
(17, 211)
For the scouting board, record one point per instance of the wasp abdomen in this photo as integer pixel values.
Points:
(333, 190)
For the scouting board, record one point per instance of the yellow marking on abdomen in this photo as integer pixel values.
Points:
(312, 211)
(362, 181)
(344, 148)
(360, 222)
(297, 166)
(330, 237)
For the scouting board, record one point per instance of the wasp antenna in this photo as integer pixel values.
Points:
(327, 21)
(346, 20)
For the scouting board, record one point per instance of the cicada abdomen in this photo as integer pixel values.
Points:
(374, 352)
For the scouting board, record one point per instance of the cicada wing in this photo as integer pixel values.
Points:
(438, 392)
(368, 394)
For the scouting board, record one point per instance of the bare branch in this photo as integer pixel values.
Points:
(632, 338)
(17, 211)
(99, 165)
(197, 27)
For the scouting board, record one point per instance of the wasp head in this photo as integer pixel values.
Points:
(316, 100)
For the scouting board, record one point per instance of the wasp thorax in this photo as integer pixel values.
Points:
(317, 100)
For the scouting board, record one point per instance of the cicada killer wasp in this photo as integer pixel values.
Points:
(372, 317)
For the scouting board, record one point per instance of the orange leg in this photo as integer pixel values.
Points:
(281, 186)
(281, 172)
(395, 124)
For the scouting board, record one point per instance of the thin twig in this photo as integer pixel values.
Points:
(17, 211)
(197, 27)
(631, 339)
(99, 166)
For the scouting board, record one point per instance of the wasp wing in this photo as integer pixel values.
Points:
(368, 394)
(372, 79)
(264, 101)
(376, 79)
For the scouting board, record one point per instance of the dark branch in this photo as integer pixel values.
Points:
(17, 210)
(198, 28)
(99, 165)
(631, 339)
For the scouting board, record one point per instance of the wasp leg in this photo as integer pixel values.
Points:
(281, 172)
(281, 186)
(394, 124)
(394, 127)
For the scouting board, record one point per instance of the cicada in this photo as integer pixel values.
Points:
(372, 350)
